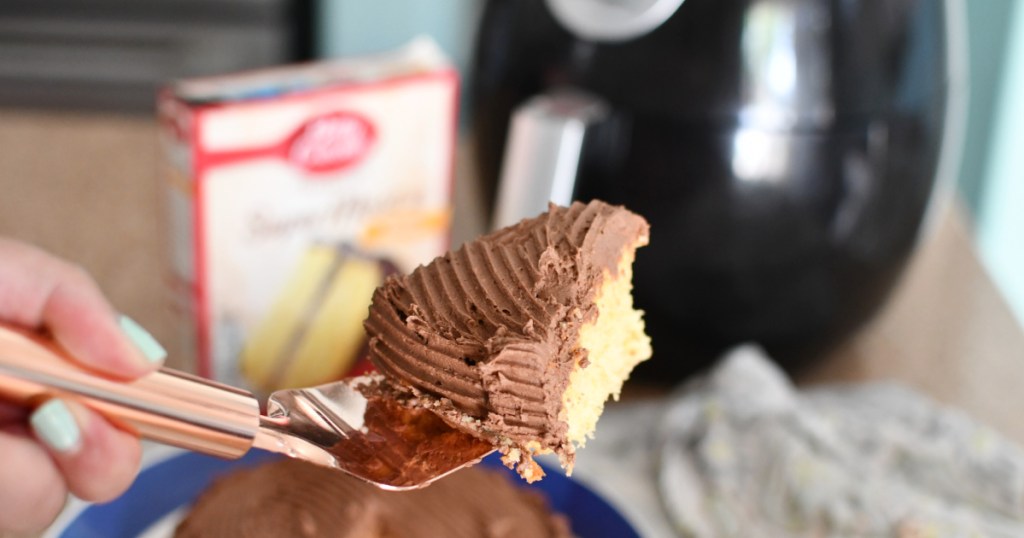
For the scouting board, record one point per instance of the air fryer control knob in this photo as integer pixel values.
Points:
(612, 20)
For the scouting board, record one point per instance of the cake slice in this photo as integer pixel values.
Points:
(313, 333)
(520, 336)
(291, 498)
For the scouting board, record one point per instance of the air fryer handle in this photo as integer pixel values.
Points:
(542, 155)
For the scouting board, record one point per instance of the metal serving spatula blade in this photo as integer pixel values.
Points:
(340, 425)
(369, 436)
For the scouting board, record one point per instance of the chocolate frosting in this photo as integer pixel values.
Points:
(490, 329)
(294, 498)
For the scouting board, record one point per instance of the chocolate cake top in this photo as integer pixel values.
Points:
(491, 328)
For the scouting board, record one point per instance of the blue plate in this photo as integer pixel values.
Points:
(172, 484)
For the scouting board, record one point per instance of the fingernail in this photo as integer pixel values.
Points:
(150, 348)
(55, 426)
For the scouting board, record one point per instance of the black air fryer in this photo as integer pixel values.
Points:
(784, 152)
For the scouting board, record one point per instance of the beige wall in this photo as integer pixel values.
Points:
(85, 187)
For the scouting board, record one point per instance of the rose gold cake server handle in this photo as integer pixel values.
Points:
(335, 425)
(168, 406)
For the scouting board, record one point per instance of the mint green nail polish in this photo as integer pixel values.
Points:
(55, 426)
(150, 348)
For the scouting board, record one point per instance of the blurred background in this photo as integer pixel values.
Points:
(77, 131)
(990, 179)
(851, 168)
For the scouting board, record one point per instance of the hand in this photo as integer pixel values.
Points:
(61, 446)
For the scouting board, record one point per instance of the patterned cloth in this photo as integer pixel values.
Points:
(742, 453)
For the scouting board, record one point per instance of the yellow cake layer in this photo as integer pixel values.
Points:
(615, 344)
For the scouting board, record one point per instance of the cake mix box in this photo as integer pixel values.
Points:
(291, 193)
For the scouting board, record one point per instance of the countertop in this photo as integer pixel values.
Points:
(86, 187)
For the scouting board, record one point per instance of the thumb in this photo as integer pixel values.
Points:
(40, 291)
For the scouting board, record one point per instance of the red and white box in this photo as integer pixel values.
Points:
(290, 193)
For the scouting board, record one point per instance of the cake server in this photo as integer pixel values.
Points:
(336, 425)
